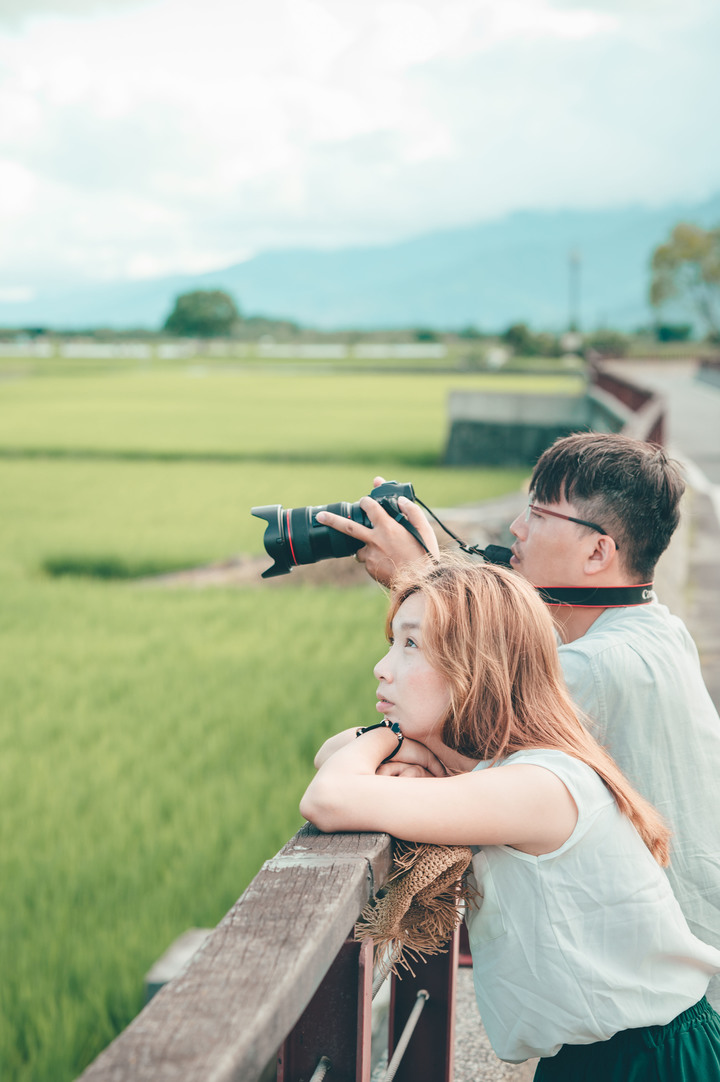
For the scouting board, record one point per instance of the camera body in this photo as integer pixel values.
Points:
(388, 494)
(294, 536)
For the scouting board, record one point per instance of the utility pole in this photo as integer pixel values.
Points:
(574, 262)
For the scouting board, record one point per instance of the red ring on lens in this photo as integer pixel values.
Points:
(289, 534)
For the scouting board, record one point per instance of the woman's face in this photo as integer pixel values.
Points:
(410, 691)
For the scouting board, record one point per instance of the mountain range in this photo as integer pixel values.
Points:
(489, 275)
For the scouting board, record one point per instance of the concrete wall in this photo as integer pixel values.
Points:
(514, 429)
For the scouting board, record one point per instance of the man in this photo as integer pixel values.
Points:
(602, 510)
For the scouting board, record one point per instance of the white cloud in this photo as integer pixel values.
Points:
(18, 187)
(141, 138)
(16, 294)
(536, 19)
(18, 13)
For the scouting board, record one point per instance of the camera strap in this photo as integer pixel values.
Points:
(598, 597)
(397, 514)
(492, 554)
(581, 597)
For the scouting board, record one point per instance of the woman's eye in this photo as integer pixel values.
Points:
(410, 642)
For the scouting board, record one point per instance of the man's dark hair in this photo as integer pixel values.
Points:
(629, 487)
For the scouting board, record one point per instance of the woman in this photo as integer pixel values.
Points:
(581, 954)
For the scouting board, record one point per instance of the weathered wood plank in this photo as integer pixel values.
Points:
(226, 1015)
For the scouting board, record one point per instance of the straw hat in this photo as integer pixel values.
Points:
(420, 906)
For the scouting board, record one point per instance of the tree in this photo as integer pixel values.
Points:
(202, 313)
(519, 337)
(608, 343)
(687, 267)
(526, 343)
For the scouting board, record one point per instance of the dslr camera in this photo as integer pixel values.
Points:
(295, 536)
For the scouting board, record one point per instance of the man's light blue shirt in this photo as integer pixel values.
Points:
(636, 675)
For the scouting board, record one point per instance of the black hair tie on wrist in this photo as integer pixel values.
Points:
(385, 724)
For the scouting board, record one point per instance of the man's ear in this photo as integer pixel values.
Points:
(603, 555)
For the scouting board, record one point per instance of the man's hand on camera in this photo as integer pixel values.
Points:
(387, 545)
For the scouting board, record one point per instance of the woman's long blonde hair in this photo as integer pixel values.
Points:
(487, 631)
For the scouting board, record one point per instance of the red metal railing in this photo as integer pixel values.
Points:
(647, 418)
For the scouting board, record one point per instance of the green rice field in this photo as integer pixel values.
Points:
(154, 743)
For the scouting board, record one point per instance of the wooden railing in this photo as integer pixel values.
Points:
(280, 989)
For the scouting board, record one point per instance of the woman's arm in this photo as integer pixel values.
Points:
(333, 744)
(525, 806)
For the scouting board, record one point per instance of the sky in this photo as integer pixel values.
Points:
(140, 138)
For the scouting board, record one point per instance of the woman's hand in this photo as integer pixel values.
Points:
(413, 760)
(402, 770)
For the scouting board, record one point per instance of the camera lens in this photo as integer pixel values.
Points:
(294, 536)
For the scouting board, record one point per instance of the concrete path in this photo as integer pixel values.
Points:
(693, 407)
(475, 1060)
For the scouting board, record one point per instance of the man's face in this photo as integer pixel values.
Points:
(551, 551)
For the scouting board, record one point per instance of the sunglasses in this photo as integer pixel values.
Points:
(568, 518)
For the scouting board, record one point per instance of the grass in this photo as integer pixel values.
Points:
(154, 743)
(245, 417)
(154, 748)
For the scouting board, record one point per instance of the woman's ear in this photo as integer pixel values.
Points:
(603, 555)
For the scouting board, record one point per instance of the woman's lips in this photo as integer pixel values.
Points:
(383, 705)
